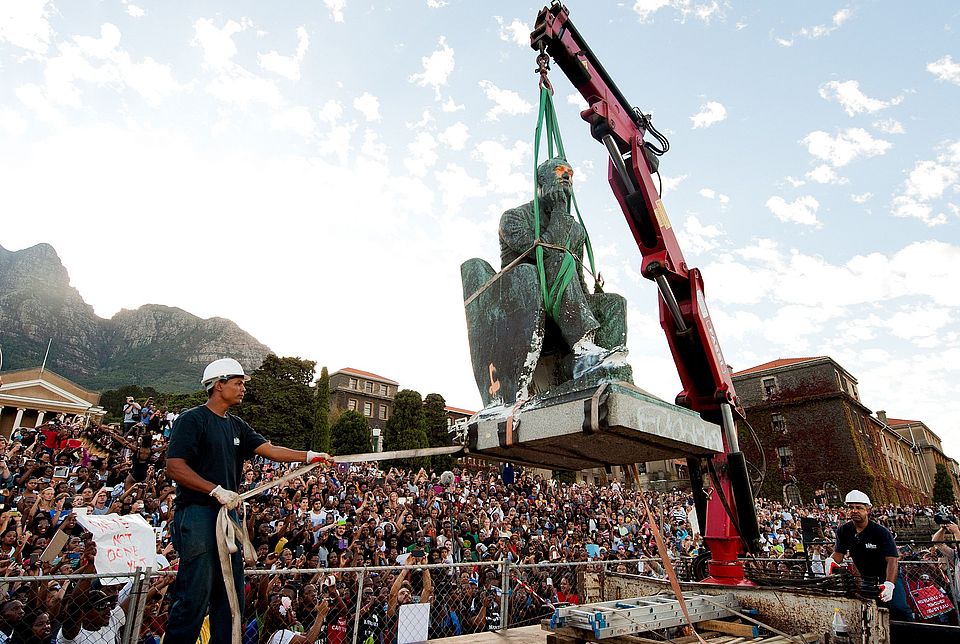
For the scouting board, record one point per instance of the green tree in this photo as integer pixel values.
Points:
(406, 428)
(113, 400)
(942, 486)
(351, 434)
(435, 421)
(320, 439)
(279, 402)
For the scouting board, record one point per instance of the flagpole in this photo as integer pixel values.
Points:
(45, 357)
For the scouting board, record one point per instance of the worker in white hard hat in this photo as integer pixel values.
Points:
(874, 553)
(205, 457)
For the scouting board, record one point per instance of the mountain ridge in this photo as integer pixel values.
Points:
(155, 345)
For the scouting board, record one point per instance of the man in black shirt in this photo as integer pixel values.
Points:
(205, 457)
(874, 554)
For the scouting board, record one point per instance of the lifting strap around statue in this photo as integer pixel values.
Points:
(553, 293)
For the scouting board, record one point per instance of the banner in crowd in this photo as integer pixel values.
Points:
(124, 543)
(931, 601)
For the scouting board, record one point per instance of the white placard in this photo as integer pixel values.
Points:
(413, 622)
(124, 543)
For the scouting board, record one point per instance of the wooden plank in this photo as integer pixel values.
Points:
(730, 628)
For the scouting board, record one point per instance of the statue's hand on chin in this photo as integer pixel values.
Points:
(554, 201)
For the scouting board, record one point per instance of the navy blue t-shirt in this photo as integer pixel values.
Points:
(214, 447)
(869, 549)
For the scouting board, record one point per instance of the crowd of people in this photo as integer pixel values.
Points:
(444, 534)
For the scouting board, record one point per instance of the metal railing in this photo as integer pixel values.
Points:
(411, 603)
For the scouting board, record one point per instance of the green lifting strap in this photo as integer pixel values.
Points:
(568, 267)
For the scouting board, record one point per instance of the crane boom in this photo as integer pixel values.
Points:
(707, 384)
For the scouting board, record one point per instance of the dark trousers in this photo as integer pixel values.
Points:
(199, 586)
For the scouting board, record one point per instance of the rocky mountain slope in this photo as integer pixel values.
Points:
(158, 346)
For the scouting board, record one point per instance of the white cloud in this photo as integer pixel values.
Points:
(852, 100)
(506, 170)
(845, 147)
(821, 31)
(823, 173)
(330, 112)
(217, 44)
(455, 137)
(135, 11)
(287, 66)
(784, 42)
(710, 113)
(704, 11)
(710, 193)
(436, 4)
(914, 322)
(232, 83)
(35, 99)
(796, 183)
(11, 122)
(516, 32)
(295, 119)
(945, 70)
(368, 105)
(437, 68)
(24, 24)
(646, 8)
(927, 183)
(802, 210)
(457, 186)
(98, 62)
(700, 238)
(505, 101)
(889, 126)
(672, 183)
(577, 99)
(373, 147)
(336, 8)
(861, 198)
(451, 105)
(421, 154)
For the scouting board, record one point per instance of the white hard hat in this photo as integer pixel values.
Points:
(856, 496)
(222, 369)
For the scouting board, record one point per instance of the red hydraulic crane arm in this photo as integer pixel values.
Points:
(683, 312)
(729, 512)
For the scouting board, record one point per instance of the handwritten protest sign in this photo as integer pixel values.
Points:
(931, 601)
(124, 543)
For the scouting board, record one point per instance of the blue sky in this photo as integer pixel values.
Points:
(317, 171)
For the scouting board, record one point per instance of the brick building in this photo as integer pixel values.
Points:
(365, 392)
(929, 447)
(818, 435)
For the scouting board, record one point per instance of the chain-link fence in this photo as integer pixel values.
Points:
(416, 602)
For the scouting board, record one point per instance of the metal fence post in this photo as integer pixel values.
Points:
(356, 616)
(505, 604)
(136, 606)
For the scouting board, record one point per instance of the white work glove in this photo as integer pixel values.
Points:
(318, 457)
(886, 591)
(228, 498)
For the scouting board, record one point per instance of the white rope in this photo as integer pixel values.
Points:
(232, 535)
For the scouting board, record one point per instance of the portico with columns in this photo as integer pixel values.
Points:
(29, 397)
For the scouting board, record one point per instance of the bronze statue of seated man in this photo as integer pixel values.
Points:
(520, 349)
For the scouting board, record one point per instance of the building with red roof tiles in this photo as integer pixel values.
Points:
(819, 439)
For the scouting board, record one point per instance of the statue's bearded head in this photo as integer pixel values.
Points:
(555, 178)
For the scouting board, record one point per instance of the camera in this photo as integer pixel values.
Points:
(942, 518)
